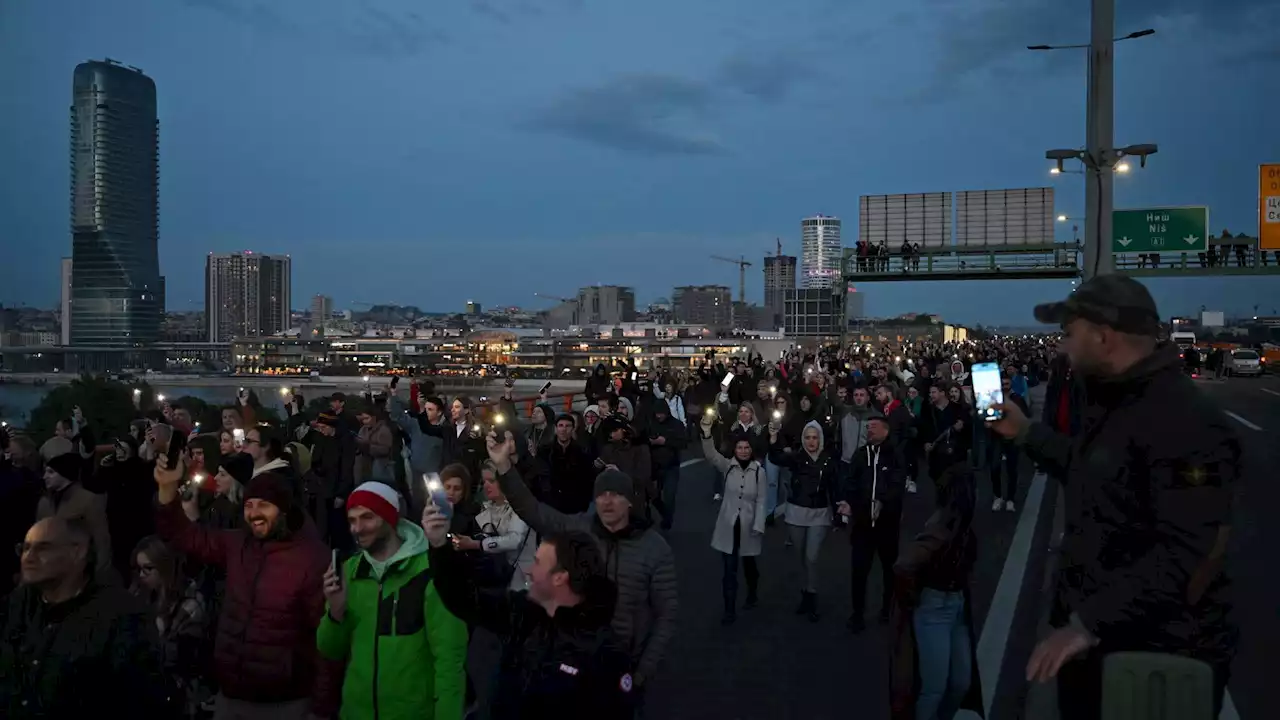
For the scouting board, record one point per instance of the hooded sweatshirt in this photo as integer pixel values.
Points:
(853, 430)
(405, 652)
(813, 481)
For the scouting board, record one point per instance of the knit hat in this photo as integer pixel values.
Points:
(239, 466)
(379, 498)
(615, 481)
(67, 465)
(272, 488)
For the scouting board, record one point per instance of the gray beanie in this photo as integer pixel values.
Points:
(615, 481)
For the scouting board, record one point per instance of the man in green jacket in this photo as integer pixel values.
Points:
(406, 654)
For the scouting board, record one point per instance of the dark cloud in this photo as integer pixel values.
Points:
(362, 27)
(382, 33)
(765, 77)
(633, 113)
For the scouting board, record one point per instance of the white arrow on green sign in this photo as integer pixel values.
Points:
(1168, 229)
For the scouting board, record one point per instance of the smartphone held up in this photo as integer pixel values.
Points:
(435, 491)
(987, 392)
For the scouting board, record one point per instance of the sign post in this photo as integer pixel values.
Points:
(1166, 229)
(1269, 207)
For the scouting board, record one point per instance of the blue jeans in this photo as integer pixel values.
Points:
(773, 474)
(944, 654)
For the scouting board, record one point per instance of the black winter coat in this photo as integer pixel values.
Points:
(568, 665)
(95, 651)
(1148, 493)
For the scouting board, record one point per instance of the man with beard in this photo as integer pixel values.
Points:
(265, 658)
(1148, 491)
(405, 652)
(560, 658)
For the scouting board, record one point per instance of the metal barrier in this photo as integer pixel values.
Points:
(563, 402)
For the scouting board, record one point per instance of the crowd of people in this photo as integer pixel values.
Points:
(340, 563)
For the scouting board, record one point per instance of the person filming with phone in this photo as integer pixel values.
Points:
(417, 670)
(560, 659)
(1148, 484)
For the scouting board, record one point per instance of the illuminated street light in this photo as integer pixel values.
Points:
(1122, 167)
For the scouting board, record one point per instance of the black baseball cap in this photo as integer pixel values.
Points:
(1117, 301)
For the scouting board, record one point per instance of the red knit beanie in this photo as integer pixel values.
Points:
(378, 497)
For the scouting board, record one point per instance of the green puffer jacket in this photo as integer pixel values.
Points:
(406, 654)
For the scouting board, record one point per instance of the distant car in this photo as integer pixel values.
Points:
(1243, 362)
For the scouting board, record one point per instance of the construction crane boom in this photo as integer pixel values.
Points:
(742, 264)
(547, 296)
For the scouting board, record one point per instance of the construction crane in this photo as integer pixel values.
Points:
(546, 296)
(742, 264)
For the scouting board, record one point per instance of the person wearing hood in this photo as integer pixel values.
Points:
(667, 437)
(264, 657)
(811, 497)
(122, 478)
(540, 432)
(740, 524)
(404, 652)
(620, 452)
(636, 558)
(65, 498)
(560, 658)
(598, 384)
(852, 432)
(871, 502)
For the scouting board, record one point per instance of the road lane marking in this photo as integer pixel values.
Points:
(1269, 390)
(1242, 421)
(995, 631)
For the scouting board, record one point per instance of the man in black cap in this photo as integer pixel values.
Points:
(1148, 497)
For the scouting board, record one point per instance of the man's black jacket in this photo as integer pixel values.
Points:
(883, 468)
(567, 666)
(75, 659)
(1148, 484)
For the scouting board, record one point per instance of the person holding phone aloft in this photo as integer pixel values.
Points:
(417, 671)
(740, 523)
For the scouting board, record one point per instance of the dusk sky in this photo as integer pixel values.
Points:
(432, 152)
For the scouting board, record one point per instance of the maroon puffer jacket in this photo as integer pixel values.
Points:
(265, 649)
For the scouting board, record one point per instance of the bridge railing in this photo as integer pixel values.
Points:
(961, 261)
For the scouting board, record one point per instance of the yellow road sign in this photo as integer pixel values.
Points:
(1269, 206)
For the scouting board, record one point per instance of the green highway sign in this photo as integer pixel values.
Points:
(1155, 230)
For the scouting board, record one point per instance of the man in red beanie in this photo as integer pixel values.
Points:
(265, 657)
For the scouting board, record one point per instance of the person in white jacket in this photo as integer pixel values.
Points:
(668, 392)
(739, 530)
(505, 533)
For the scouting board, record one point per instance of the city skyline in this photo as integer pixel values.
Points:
(552, 179)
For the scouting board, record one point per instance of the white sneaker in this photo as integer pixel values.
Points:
(911, 486)
(1008, 505)
(995, 506)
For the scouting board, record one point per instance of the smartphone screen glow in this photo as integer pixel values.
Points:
(727, 381)
(986, 390)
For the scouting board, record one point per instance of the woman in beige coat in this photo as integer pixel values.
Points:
(739, 530)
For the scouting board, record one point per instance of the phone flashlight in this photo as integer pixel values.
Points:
(159, 398)
(435, 491)
(475, 428)
(137, 392)
(710, 412)
(366, 379)
(498, 419)
(284, 391)
(777, 414)
(238, 436)
(773, 389)
(197, 479)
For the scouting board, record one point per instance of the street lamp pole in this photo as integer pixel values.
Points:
(1100, 142)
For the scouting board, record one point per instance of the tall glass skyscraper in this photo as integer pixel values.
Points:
(820, 252)
(117, 296)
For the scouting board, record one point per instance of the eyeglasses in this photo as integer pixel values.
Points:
(144, 569)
